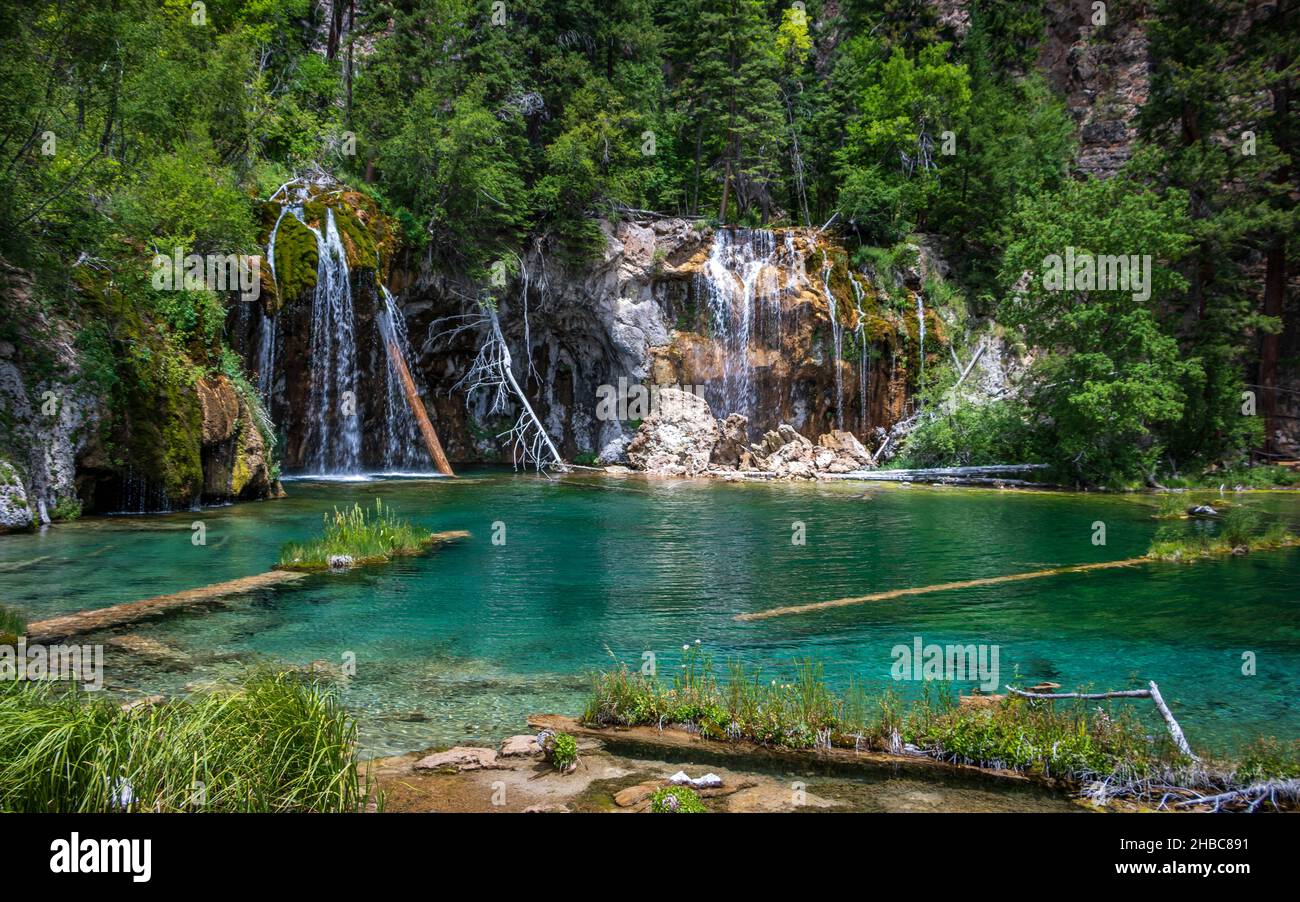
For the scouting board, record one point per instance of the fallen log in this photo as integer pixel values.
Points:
(938, 587)
(417, 410)
(1153, 693)
(931, 473)
(103, 618)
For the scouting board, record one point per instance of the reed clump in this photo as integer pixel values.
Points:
(276, 742)
(356, 536)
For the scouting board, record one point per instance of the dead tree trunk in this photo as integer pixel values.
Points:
(417, 409)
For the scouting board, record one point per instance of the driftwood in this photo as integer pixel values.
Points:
(417, 409)
(1253, 796)
(1153, 693)
(990, 475)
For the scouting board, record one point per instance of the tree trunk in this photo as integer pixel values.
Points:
(417, 409)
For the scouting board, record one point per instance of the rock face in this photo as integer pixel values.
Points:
(1103, 73)
(760, 322)
(70, 453)
(15, 513)
(684, 439)
(52, 420)
(679, 439)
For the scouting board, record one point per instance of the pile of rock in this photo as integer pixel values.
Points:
(683, 438)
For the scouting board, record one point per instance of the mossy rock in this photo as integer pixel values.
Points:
(296, 258)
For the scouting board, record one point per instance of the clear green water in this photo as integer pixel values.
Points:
(463, 644)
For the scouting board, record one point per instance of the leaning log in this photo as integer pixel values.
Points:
(417, 409)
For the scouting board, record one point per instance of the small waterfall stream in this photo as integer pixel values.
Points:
(334, 442)
(336, 408)
(837, 339)
(920, 341)
(739, 285)
(864, 355)
(402, 446)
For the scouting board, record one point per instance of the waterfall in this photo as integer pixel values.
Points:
(920, 340)
(334, 437)
(837, 339)
(864, 354)
(741, 286)
(402, 447)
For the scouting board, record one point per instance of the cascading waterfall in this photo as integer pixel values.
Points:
(741, 285)
(864, 354)
(335, 410)
(403, 448)
(334, 437)
(837, 340)
(920, 340)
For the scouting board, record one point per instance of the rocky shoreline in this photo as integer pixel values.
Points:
(619, 770)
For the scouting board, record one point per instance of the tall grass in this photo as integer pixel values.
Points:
(1240, 528)
(12, 625)
(1077, 740)
(362, 534)
(278, 742)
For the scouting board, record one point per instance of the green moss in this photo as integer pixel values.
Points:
(296, 258)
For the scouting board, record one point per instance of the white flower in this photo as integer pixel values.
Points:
(686, 648)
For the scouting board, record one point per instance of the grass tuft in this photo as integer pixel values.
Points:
(278, 742)
(356, 536)
(12, 625)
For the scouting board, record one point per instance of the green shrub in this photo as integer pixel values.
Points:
(562, 749)
(676, 800)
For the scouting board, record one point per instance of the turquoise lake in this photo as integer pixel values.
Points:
(462, 644)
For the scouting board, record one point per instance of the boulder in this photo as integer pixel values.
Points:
(220, 409)
(678, 438)
(459, 758)
(732, 449)
(845, 445)
(521, 747)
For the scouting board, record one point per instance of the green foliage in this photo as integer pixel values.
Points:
(562, 750)
(361, 534)
(1111, 385)
(1241, 529)
(996, 432)
(1075, 742)
(274, 743)
(12, 625)
(676, 800)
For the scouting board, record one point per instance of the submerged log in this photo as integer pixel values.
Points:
(939, 587)
(421, 415)
(119, 614)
